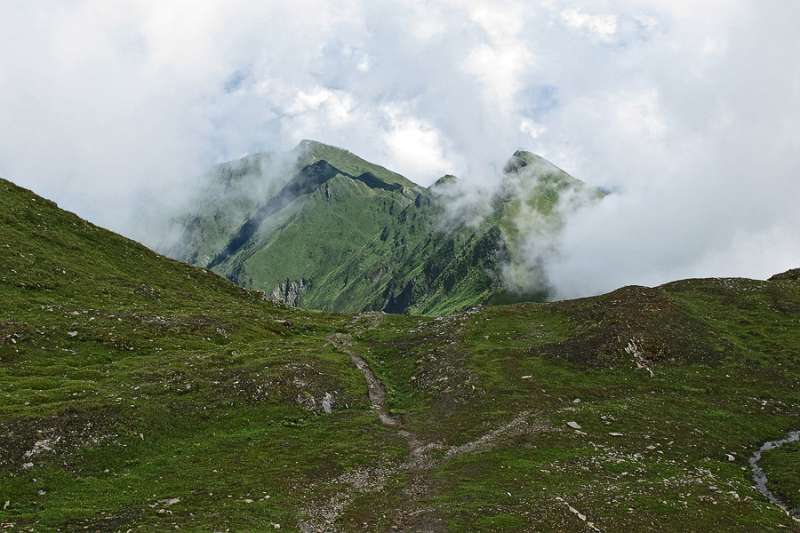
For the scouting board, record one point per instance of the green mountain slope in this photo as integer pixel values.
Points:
(138, 393)
(339, 233)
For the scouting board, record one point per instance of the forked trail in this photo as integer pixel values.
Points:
(422, 457)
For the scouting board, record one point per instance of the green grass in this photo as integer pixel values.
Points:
(143, 379)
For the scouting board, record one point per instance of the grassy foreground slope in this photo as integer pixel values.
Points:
(671, 388)
(137, 393)
(127, 379)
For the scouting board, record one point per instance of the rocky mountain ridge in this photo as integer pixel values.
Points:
(364, 238)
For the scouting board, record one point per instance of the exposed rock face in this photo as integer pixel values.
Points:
(398, 303)
(290, 292)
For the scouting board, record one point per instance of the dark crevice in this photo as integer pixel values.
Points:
(373, 182)
(400, 303)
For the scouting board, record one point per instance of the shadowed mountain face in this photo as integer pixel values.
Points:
(338, 233)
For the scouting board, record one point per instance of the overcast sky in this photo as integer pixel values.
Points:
(688, 110)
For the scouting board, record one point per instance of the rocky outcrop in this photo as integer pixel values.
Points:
(290, 292)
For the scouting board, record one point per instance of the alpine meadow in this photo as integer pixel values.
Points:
(435, 266)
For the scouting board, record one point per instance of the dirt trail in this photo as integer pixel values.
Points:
(322, 516)
(760, 477)
(377, 395)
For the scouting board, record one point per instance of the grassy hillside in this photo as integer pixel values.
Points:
(342, 234)
(138, 393)
(127, 378)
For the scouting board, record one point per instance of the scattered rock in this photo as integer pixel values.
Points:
(616, 434)
(41, 446)
(327, 403)
(633, 349)
(573, 424)
(290, 292)
(582, 517)
(72, 333)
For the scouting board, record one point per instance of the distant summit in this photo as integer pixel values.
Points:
(322, 228)
(447, 179)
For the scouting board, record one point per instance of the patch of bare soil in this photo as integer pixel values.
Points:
(646, 321)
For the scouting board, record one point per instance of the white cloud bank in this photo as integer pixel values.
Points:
(688, 111)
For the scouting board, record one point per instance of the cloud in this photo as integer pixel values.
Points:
(697, 147)
(602, 26)
(415, 147)
(687, 111)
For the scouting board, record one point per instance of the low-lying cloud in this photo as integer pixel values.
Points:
(687, 112)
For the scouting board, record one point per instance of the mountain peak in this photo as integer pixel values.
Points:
(447, 179)
(523, 158)
(310, 151)
(310, 145)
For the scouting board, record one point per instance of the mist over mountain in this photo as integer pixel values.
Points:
(319, 227)
(686, 110)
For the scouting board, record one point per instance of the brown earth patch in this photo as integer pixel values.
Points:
(612, 329)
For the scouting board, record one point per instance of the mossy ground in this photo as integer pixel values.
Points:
(128, 381)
